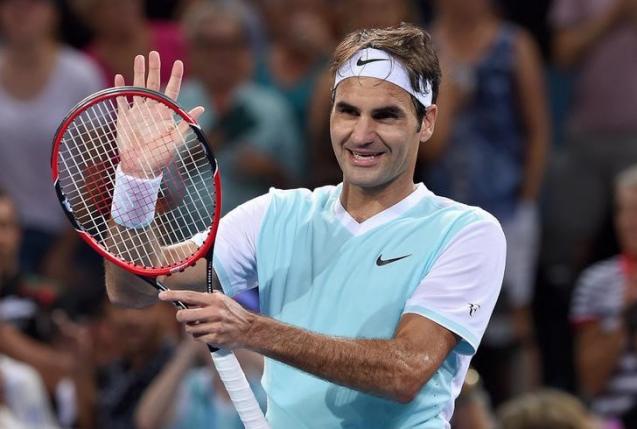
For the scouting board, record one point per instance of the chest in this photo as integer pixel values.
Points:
(323, 278)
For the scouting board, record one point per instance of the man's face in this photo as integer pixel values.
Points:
(9, 231)
(626, 219)
(375, 133)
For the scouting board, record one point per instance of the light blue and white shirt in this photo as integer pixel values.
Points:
(319, 269)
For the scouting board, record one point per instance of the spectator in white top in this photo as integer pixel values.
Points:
(40, 80)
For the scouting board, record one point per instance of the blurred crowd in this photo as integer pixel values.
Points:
(537, 124)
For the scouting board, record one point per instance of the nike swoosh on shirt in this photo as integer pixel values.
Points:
(362, 62)
(380, 261)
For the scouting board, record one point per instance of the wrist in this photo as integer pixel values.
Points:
(132, 169)
(257, 329)
(134, 199)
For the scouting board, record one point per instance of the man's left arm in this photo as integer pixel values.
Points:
(453, 301)
(395, 368)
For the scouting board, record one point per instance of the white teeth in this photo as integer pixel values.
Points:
(364, 156)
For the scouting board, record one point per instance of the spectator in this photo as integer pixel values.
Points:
(189, 394)
(592, 40)
(145, 351)
(251, 129)
(545, 409)
(40, 80)
(300, 44)
(28, 332)
(488, 150)
(604, 315)
(121, 31)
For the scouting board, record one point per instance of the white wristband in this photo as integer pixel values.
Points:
(134, 199)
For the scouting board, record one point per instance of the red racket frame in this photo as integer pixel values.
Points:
(130, 91)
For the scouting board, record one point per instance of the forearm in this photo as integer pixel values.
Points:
(597, 356)
(126, 289)
(388, 368)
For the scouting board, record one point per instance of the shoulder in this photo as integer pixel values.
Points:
(304, 198)
(451, 211)
(461, 227)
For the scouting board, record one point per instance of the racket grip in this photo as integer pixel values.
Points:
(239, 390)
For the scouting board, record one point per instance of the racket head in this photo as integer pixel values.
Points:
(85, 155)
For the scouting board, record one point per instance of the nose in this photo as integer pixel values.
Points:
(364, 131)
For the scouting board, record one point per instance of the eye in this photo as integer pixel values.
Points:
(385, 115)
(347, 110)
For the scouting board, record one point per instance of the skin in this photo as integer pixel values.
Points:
(369, 116)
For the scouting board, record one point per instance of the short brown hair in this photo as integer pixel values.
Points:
(410, 44)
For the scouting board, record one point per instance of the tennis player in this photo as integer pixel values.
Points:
(374, 292)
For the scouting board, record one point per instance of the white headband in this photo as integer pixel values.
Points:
(370, 62)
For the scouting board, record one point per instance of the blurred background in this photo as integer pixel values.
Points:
(537, 124)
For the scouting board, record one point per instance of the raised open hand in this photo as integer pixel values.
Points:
(147, 134)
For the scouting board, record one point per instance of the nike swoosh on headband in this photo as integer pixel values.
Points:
(362, 62)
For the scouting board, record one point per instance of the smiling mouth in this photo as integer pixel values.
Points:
(365, 156)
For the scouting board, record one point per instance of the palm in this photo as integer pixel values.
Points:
(147, 137)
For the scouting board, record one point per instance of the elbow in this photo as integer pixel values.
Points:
(409, 385)
(407, 392)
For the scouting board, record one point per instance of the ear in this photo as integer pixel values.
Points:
(428, 123)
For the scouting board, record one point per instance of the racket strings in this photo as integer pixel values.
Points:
(88, 157)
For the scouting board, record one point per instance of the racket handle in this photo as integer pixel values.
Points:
(239, 390)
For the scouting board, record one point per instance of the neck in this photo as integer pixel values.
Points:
(363, 203)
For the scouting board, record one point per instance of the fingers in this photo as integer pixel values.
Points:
(154, 67)
(196, 112)
(118, 81)
(174, 83)
(195, 315)
(189, 298)
(139, 71)
(183, 126)
(122, 104)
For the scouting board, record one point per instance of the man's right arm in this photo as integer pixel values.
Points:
(128, 290)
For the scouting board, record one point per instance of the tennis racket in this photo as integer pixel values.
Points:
(145, 222)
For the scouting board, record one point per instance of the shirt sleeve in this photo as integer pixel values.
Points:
(235, 260)
(462, 287)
